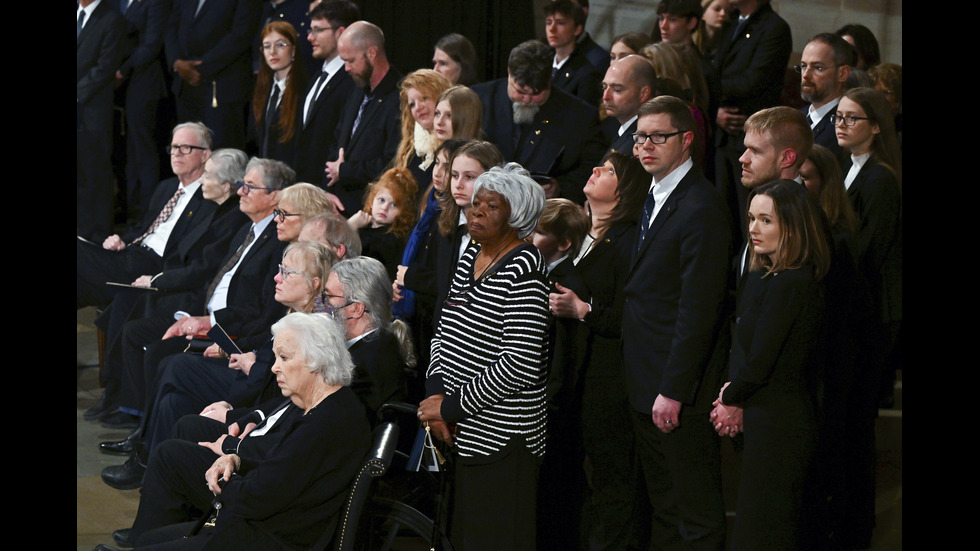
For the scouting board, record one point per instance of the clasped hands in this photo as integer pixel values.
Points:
(727, 420)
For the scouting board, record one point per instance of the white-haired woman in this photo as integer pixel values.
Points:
(291, 495)
(489, 366)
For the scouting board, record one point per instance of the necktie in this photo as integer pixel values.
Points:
(168, 209)
(648, 206)
(230, 264)
(270, 112)
(123, 4)
(79, 23)
(809, 119)
(360, 112)
(313, 95)
(738, 28)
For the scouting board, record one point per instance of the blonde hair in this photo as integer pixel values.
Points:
(430, 85)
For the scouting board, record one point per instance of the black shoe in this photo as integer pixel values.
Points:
(119, 420)
(121, 537)
(100, 408)
(127, 476)
(122, 447)
(103, 547)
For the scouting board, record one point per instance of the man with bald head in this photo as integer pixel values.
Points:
(628, 83)
(369, 130)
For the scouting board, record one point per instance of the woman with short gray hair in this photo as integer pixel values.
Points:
(489, 366)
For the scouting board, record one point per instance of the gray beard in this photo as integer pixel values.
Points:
(524, 112)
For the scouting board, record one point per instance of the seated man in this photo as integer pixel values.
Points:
(176, 207)
(333, 231)
(546, 130)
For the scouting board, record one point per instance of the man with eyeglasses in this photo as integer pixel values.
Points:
(240, 297)
(208, 46)
(674, 331)
(824, 68)
(330, 86)
(548, 131)
(176, 207)
(369, 130)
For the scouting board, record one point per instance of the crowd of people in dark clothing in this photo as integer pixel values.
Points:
(589, 274)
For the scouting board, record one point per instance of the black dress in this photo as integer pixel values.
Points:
(775, 371)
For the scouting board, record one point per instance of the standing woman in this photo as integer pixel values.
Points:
(278, 94)
(776, 365)
(616, 192)
(489, 366)
(455, 58)
(420, 91)
(707, 34)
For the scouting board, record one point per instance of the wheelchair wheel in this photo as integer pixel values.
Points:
(390, 525)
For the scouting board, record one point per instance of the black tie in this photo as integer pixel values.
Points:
(738, 28)
(123, 4)
(229, 265)
(270, 112)
(79, 23)
(648, 206)
(316, 92)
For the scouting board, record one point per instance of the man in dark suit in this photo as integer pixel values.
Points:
(547, 131)
(98, 35)
(176, 207)
(825, 66)
(208, 46)
(142, 74)
(564, 22)
(629, 83)
(328, 91)
(751, 61)
(673, 320)
(369, 130)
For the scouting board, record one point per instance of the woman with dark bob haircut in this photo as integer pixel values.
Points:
(486, 380)
(776, 364)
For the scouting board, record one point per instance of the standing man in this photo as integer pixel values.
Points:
(751, 61)
(330, 86)
(824, 68)
(546, 130)
(208, 47)
(369, 130)
(98, 35)
(142, 74)
(629, 83)
(564, 22)
(673, 318)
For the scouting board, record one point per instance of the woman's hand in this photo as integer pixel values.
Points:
(214, 351)
(566, 304)
(359, 220)
(222, 469)
(242, 362)
(400, 275)
(727, 420)
(217, 411)
(430, 412)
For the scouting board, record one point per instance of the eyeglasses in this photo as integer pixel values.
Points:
(317, 30)
(281, 215)
(284, 272)
(847, 120)
(819, 69)
(330, 309)
(184, 149)
(246, 189)
(277, 45)
(656, 139)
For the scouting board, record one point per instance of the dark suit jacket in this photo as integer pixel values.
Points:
(97, 57)
(318, 136)
(379, 372)
(197, 254)
(596, 54)
(146, 20)
(674, 300)
(878, 244)
(221, 37)
(752, 66)
(825, 134)
(373, 145)
(622, 144)
(579, 78)
(563, 141)
(197, 209)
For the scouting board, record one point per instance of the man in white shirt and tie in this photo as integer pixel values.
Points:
(824, 68)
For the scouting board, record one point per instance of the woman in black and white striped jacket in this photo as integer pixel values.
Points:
(489, 366)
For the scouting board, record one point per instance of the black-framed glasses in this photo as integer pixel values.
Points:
(285, 272)
(847, 120)
(317, 30)
(819, 69)
(184, 149)
(246, 188)
(280, 214)
(640, 138)
(277, 45)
